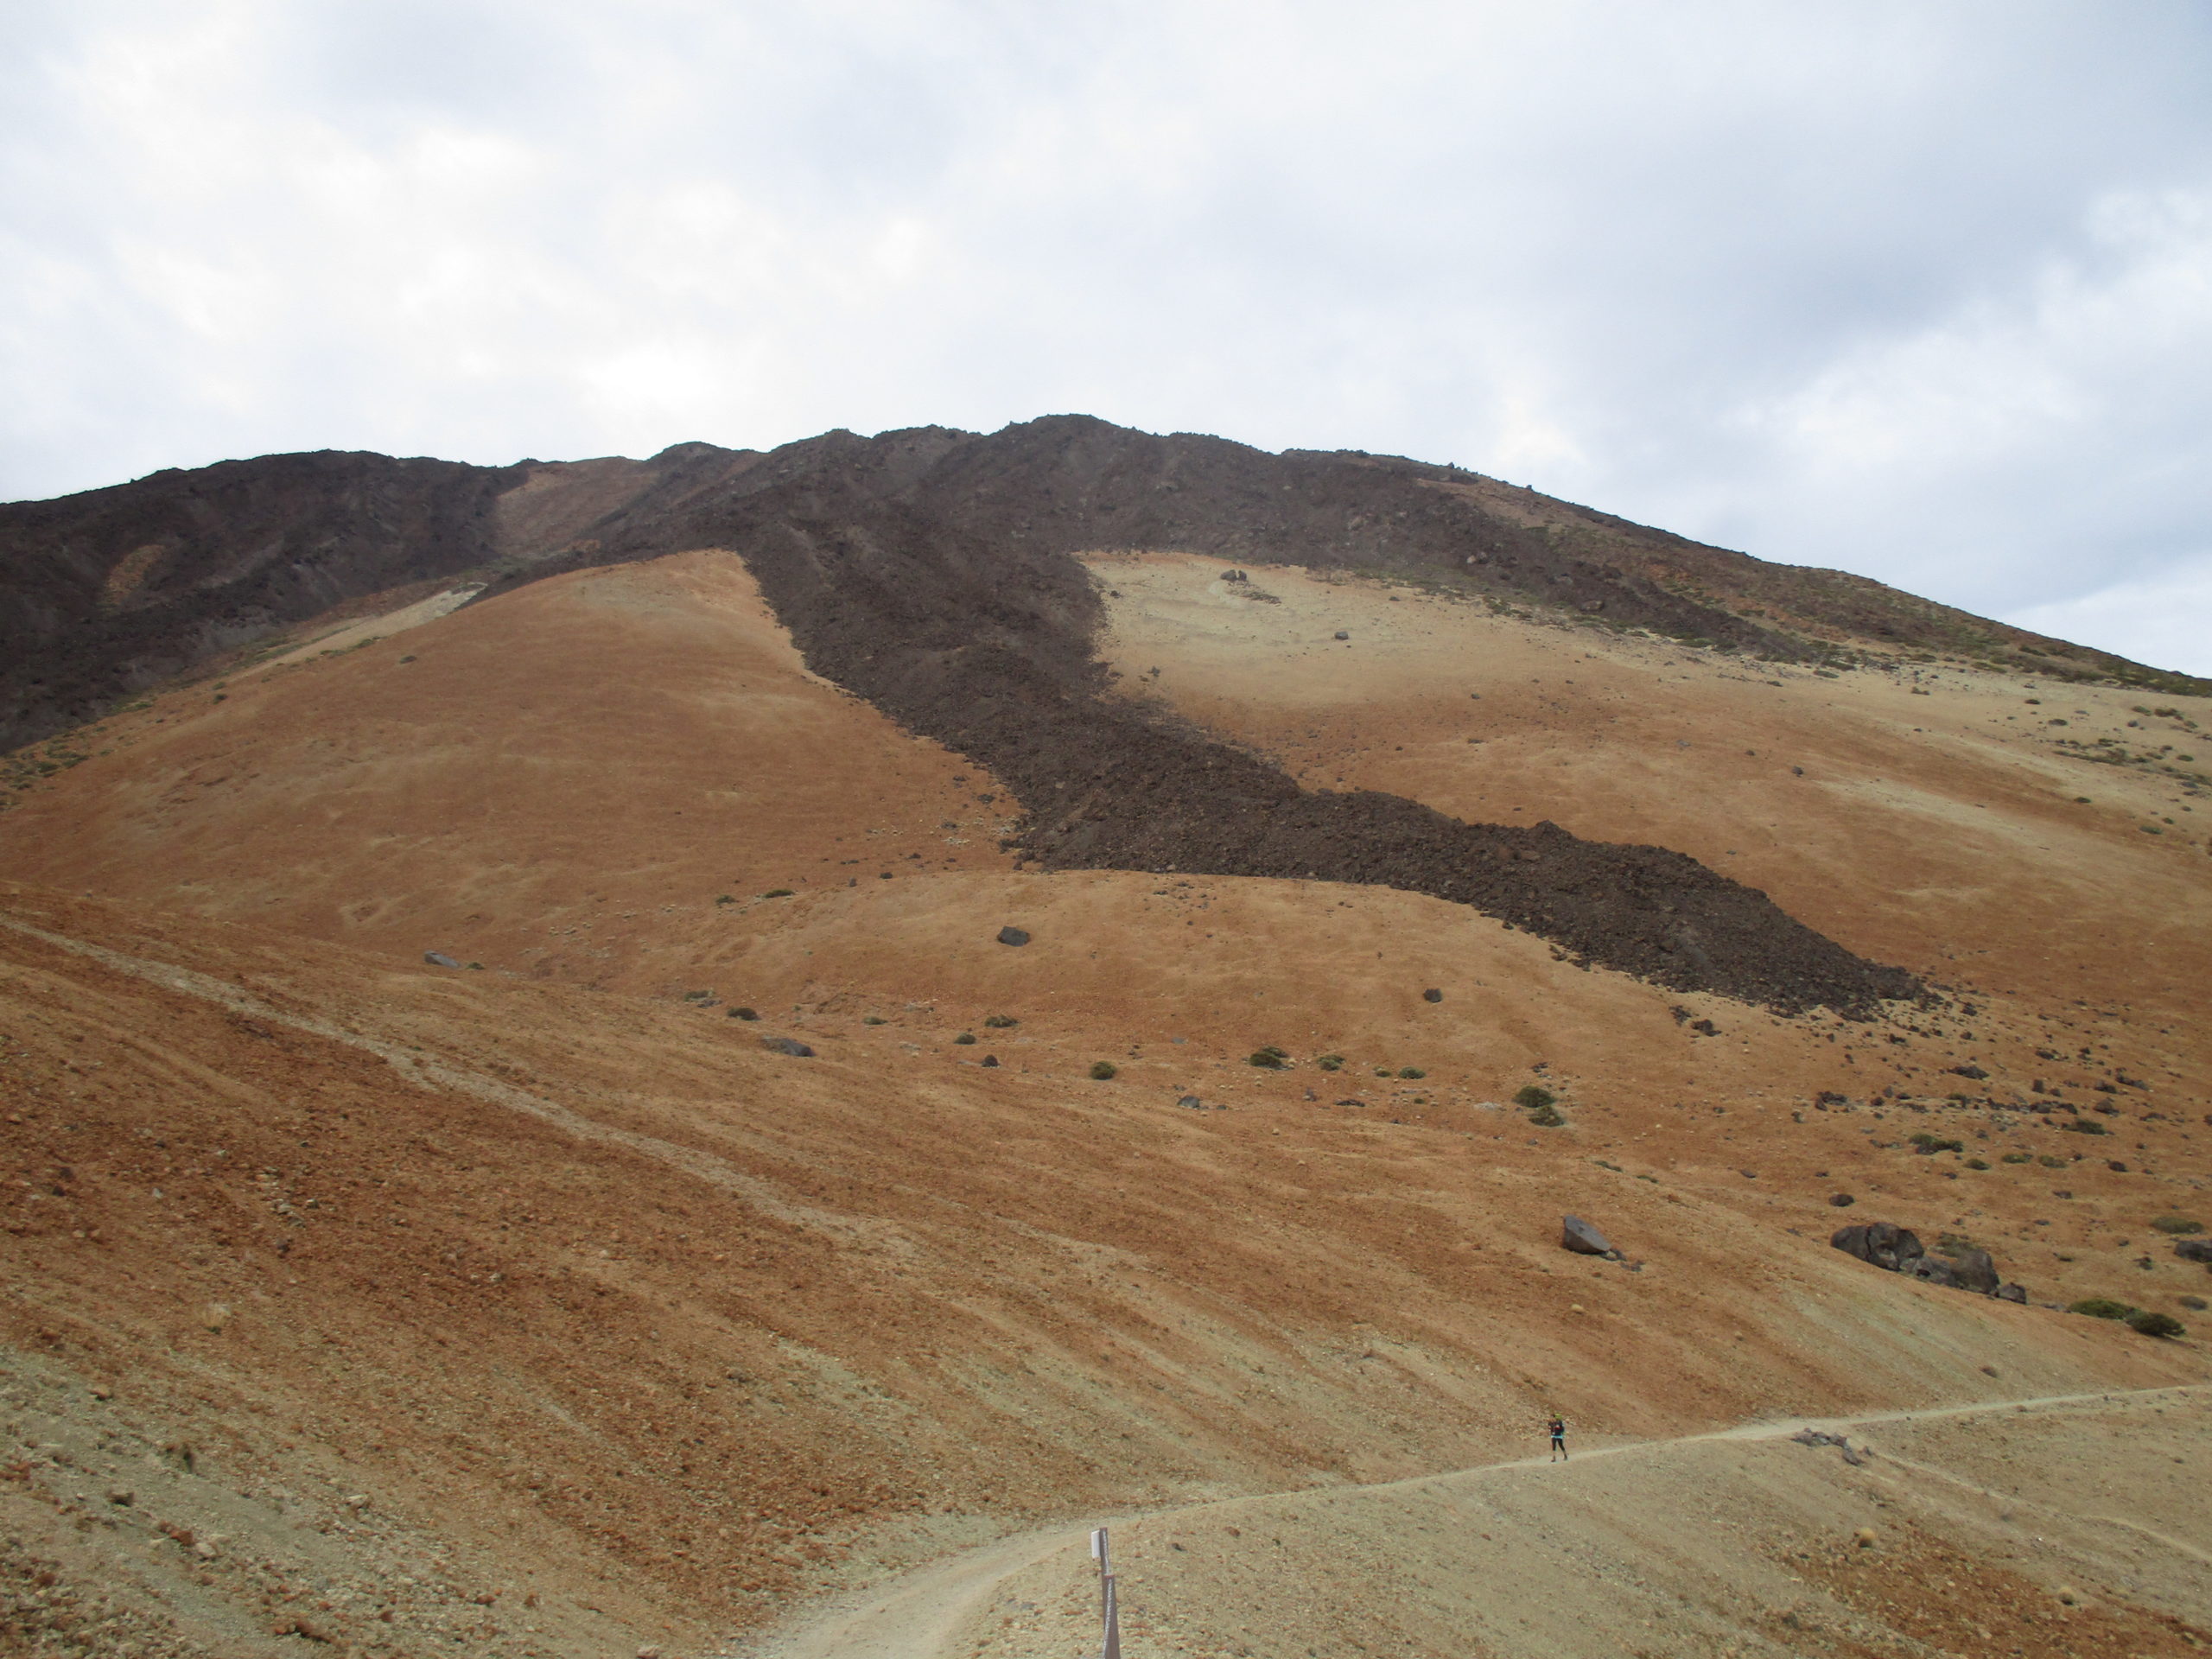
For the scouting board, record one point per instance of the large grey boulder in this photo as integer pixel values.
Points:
(1012, 936)
(1973, 1270)
(1935, 1270)
(1582, 1238)
(1881, 1243)
(2195, 1249)
(439, 959)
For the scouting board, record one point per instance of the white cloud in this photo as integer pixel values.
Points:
(2162, 619)
(1915, 289)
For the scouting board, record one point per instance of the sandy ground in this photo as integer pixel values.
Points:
(590, 1298)
(2040, 1528)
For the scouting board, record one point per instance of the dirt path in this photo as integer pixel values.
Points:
(917, 1616)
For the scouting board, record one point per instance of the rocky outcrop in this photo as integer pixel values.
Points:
(1898, 1250)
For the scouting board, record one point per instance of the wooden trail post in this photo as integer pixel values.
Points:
(1109, 1617)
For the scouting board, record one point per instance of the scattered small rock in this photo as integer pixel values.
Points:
(1012, 936)
(790, 1046)
(1432, 995)
(2195, 1249)
(120, 1498)
(1579, 1236)
(1841, 1200)
(1341, 635)
(439, 959)
(1192, 1102)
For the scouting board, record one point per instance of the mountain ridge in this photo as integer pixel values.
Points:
(105, 593)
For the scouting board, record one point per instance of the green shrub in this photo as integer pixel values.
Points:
(725, 898)
(873, 1020)
(965, 1039)
(1381, 1071)
(2101, 1307)
(2178, 1224)
(2018, 1157)
(2154, 1325)
(1102, 1069)
(1267, 1059)
(1533, 1097)
(1411, 1071)
(2086, 1126)
(1001, 1023)
(1931, 1143)
(777, 893)
(1546, 1118)
(2049, 1162)
(743, 1013)
(1330, 1062)
(1977, 1163)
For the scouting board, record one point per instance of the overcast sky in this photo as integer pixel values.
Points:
(1920, 290)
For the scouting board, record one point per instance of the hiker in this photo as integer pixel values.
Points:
(1559, 1439)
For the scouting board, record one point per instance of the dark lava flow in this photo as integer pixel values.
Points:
(928, 573)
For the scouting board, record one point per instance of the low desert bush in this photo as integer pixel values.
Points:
(1102, 1069)
(2154, 1325)
(2178, 1224)
(2101, 1307)
(1001, 1023)
(1533, 1097)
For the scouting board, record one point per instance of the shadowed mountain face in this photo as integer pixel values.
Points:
(931, 572)
(107, 592)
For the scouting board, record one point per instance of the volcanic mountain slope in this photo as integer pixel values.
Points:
(931, 572)
(545, 1282)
